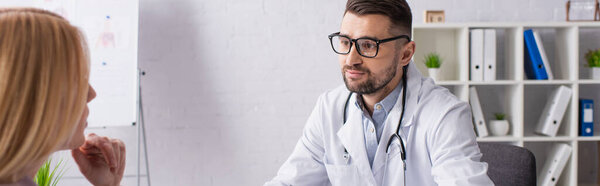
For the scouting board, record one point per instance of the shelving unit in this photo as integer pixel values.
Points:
(512, 93)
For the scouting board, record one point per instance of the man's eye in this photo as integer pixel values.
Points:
(367, 46)
(344, 42)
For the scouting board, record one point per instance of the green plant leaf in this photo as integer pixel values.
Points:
(500, 116)
(47, 176)
(433, 60)
(593, 58)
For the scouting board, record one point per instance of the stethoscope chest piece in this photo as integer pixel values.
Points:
(346, 157)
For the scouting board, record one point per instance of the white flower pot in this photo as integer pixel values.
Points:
(433, 73)
(595, 71)
(499, 127)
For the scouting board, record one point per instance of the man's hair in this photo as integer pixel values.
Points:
(397, 11)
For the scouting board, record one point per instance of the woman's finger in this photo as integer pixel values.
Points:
(104, 145)
(88, 142)
(109, 153)
(81, 160)
(115, 147)
(120, 147)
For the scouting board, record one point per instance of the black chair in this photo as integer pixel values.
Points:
(508, 164)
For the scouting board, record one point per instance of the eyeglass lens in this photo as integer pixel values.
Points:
(366, 47)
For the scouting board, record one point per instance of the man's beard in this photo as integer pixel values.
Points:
(372, 84)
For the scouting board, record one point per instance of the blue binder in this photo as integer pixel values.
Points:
(586, 117)
(534, 66)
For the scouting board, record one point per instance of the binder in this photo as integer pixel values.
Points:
(538, 42)
(489, 53)
(586, 117)
(554, 111)
(534, 65)
(478, 119)
(476, 49)
(554, 164)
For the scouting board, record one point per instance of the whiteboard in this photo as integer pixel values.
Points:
(111, 31)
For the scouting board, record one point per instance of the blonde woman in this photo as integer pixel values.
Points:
(44, 90)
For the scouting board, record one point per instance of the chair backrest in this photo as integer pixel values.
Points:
(508, 164)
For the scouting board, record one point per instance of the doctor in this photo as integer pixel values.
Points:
(388, 125)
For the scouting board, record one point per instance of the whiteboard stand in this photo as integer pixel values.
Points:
(141, 132)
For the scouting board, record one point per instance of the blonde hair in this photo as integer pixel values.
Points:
(44, 73)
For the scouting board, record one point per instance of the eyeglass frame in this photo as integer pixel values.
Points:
(353, 41)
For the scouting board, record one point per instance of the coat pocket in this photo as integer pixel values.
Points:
(342, 174)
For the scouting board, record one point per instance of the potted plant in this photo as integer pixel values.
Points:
(593, 59)
(500, 126)
(433, 63)
(49, 176)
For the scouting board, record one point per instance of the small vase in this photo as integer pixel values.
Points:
(499, 127)
(595, 73)
(433, 73)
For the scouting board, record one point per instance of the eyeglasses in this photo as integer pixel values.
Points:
(365, 46)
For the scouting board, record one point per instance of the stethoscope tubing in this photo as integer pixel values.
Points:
(403, 150)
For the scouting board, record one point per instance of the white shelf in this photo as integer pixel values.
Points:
(450, 82)
(547, 139)
(497, 82)
(588, 138)
(512, 93)
(548, 82)
(498, 139)
(507, 25)
(588, 81)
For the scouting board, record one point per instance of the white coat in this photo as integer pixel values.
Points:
(437, 131)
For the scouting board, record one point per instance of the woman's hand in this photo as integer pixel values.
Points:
(101, 160)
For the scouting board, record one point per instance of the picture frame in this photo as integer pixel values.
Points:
(583, 10)
(435, 16)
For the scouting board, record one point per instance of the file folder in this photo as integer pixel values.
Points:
(554, 164)
(476, 55)
(554, 111)
(538, 42)
(586, 117)
(489, 53)
(534, 65)
(478, 119)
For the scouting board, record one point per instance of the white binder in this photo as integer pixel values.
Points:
(554, 111)
(538, 42)
(489, 55)
(554, 164)
(478, 119)
(476, 55)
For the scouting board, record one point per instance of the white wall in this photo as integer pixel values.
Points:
(230, 83)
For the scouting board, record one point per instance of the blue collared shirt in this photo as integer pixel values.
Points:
(373, 125)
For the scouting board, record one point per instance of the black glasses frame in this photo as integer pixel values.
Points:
(354, 41)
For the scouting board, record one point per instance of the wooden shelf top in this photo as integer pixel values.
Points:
(457, 25)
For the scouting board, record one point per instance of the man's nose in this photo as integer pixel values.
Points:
(353, 58)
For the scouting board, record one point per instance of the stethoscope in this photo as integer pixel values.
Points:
(395, 135)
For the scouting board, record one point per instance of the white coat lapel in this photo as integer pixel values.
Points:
(352, 137)
(391, 123)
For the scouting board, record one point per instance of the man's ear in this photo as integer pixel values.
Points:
(407, 53)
